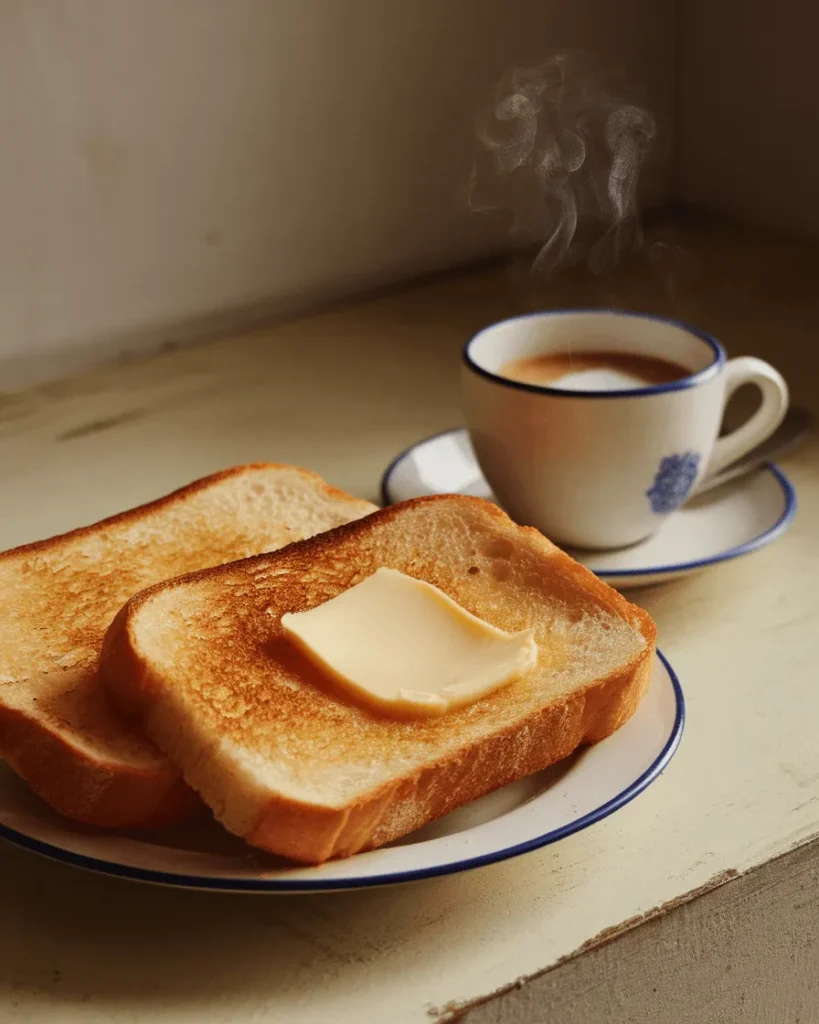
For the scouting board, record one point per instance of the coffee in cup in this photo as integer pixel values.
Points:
(595, 370)
(594, 425)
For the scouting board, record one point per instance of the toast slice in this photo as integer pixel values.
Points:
(292, 765)
(57, 598)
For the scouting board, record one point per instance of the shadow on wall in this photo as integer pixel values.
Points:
(167, 162)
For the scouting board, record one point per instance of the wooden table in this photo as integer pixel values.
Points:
(696, 903)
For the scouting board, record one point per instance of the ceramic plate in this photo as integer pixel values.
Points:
(528, 814)
(731, 520)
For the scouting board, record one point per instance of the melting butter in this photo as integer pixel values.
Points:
(402, 644)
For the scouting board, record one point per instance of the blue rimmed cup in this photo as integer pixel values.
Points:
(601, 468)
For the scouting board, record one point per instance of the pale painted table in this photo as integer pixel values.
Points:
(696, 903)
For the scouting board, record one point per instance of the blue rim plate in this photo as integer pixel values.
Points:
(524, 816)
(733, 520)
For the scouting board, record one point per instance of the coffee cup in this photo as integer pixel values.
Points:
(595, 425)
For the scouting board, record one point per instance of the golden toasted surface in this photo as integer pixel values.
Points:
(57, 597)
(213, 654)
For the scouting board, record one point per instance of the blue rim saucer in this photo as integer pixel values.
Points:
(726, 523)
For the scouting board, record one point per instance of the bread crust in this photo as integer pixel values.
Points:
(133, 515)
(312, 834)
(94, 786)
(88, 788)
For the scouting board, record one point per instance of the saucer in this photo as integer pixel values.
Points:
(726, 522)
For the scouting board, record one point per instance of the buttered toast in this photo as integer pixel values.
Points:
(299, 768)
(57, 598)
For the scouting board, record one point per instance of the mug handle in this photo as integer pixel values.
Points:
(750, 370)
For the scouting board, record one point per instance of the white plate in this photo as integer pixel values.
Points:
(528, 814)
(731, 520)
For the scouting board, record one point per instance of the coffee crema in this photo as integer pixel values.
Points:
(593, 370)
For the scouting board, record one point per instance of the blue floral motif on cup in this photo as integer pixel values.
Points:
(673, 481)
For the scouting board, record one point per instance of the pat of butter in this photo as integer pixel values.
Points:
(402, 644)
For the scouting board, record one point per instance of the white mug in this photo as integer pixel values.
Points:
(603, 468)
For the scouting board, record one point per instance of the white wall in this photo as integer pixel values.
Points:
(164, 161)
(748, 109)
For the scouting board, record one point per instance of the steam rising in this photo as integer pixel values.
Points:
(560, 150)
